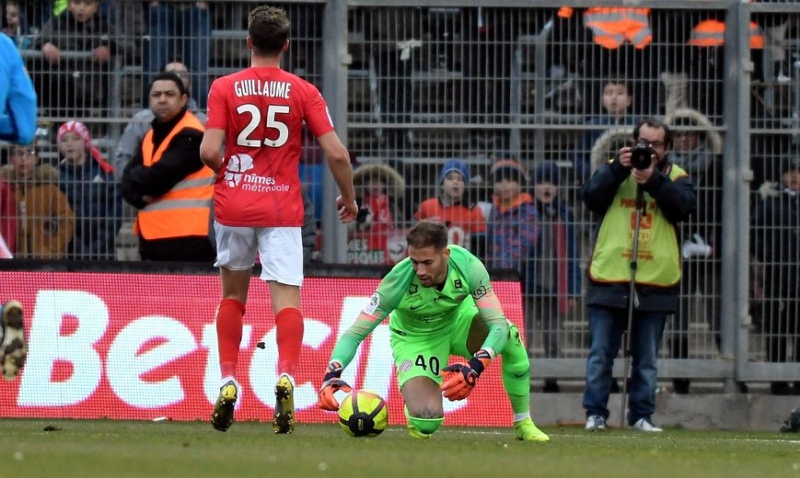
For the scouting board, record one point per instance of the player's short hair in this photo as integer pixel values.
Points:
(268, 28)
(169, 76)
(427, 234)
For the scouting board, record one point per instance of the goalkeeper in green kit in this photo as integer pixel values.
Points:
(439, 302)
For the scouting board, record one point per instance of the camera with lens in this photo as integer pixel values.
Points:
(642, 156)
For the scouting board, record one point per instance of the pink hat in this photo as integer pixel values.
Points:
(78, 128)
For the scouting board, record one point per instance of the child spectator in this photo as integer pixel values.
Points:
(465, 224)
(557, 276)
(45, 221)
(616, 103)
(78, 81)
(88, 181)
(16, 26)
(513, 225)
(372, 237)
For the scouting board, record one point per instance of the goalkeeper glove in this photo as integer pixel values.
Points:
(460, 379)
(330, 385)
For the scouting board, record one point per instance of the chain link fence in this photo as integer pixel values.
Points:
(488, 116)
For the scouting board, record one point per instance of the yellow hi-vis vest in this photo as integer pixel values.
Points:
(658, 261)
(185, 210)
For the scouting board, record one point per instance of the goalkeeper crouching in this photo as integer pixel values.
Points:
(439, 301)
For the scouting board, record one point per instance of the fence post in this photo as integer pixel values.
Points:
(735, 213)
(334, 74)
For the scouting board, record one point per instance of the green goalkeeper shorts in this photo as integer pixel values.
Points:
(426, 355)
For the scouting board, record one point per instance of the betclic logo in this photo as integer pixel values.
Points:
(141, 346)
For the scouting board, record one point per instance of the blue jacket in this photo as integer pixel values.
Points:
(98, 209)
(512, 234)
(17, 96)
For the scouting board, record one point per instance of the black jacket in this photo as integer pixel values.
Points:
(178, 161)
(776, 242)
(676, 200)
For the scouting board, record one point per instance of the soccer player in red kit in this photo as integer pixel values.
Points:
(259, 114)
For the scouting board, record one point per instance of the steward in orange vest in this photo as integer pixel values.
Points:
(710, 33)
(168, 183)
(611, 26)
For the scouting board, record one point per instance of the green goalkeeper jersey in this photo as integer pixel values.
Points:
(418, 311)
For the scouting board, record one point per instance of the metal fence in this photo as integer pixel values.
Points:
(526, 97)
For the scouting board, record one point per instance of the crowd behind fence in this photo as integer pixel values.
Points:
(485, 116)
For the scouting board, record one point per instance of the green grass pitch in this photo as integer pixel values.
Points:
(194, 449)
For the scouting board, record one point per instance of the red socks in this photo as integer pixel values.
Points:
(229, 335)
(289, 324)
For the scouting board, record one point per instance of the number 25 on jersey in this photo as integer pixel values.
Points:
(255, 119)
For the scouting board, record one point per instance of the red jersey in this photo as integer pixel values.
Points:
(461, 221)
(262, 111)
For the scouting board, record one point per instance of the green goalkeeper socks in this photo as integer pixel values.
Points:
(517, 372)
(424, 426)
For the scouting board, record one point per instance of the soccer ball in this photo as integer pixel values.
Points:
(363, 414)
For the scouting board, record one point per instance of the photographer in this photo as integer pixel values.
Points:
(639, 182)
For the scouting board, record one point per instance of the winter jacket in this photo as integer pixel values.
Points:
(92, 194)
(83, 79)
(45, 222)
(131, 139)
(68, 34)
(704, 166)
(676, 200)
(511, 234)
(776, 242)
(180, 159)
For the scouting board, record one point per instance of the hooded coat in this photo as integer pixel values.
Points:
(45, 222)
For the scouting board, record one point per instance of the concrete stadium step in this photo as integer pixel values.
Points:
(701, 409)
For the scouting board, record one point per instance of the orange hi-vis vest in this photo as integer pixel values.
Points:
(613, 25)
(710, 33)
(185, 210)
